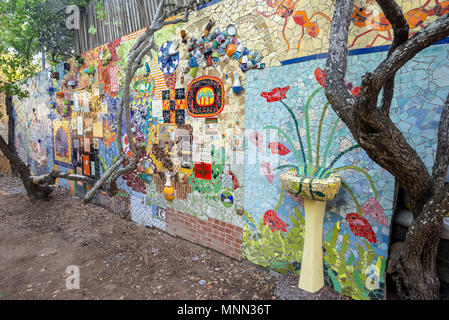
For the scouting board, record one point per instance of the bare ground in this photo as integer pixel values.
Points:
(117, 259)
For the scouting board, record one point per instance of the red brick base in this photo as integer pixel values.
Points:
(212, 233)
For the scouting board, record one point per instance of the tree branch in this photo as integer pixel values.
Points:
(335, 89)
(98, 184)
(401, 29)
(183, 18)
(434, 32)
(441, 164)
(372, 128)
(384, 143)
(50, 179)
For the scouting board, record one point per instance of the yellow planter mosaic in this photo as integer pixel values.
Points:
(319, 189)
(315, 192)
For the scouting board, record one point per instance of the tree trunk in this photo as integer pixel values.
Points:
(413, 262)
(11, 129)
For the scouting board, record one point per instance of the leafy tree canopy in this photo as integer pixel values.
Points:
(26, 26)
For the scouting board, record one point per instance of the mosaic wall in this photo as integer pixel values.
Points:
(294, 29)
(239, 74)
(34, 136)
(290, 125)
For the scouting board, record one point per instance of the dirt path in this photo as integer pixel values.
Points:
(117, 259)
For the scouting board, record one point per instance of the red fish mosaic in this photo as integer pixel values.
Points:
(274, 222)
(361, 227)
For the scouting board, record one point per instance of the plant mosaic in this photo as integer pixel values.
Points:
(293, 127)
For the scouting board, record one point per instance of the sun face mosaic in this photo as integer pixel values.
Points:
(233, 132)
(205, 97)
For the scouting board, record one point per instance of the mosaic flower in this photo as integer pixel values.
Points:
(305, 166)
(257, 139)
(361, 227)
(320, 77)
(273, 221)
(278, 148)
(276, 94)
(373, 208)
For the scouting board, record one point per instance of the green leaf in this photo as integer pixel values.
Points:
(382, 268)
(359, 281)
(294, 221)
(334, 235)
(350, 259)
(335, 282)
(344, 245)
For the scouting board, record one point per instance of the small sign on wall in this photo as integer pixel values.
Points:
(98, 89)
(79, 171)
(180, 117)
(80, 125)
(86, 165)
(86, 145)
(203, 170)
(205, 97)
(87, 124)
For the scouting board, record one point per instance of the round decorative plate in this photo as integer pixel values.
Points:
(231, 30)
(227, 199)
(226, 181)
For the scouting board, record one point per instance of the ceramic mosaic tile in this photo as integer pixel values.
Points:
(298, 131)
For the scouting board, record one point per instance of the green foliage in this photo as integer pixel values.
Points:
(349, 278)
(274, 249)
(100, 10)
(13, 70)
(283, 253)
(92, 30)
(24, 26)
